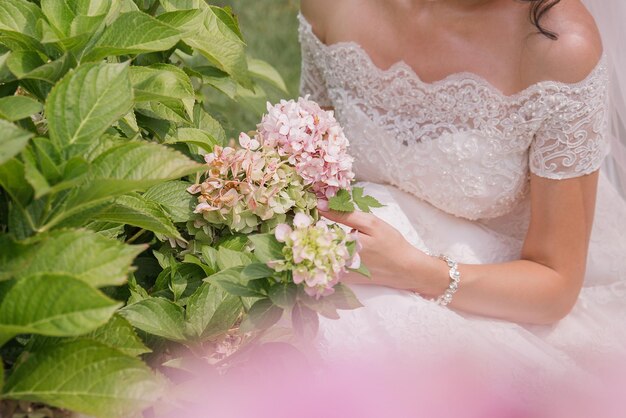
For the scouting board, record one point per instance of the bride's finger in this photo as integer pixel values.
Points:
(362, 222)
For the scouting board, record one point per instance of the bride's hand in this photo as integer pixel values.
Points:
(391, 259)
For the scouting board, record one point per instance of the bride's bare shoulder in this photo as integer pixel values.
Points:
(575, 53)
(316, 13)
(322, 14)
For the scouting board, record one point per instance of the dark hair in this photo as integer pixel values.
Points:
(538, 8)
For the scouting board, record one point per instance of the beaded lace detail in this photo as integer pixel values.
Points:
(459, 143)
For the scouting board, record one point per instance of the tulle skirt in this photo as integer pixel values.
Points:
(584, 352)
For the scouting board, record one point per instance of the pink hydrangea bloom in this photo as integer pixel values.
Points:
(317, 254)
(312, 140)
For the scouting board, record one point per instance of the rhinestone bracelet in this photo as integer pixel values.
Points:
(455, 278)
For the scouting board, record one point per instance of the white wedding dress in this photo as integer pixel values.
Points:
(450, 160)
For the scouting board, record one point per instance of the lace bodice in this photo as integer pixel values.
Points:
(459, 143)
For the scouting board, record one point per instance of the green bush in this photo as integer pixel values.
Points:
(103, 117)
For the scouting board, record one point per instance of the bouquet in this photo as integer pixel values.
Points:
(268, 190)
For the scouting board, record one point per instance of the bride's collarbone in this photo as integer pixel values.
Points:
(501, 47)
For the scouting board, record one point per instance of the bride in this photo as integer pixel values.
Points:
(482, 125)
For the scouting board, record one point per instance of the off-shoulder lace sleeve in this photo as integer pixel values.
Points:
(573, 139)
(312, 79)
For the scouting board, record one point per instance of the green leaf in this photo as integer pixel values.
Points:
(47, 157)
(215, 78)
(37, 180)
(5, 74)
(284, 294)
(227, 258)
(134, 33)
(212, 311)
(19, 17)
(362, 270)
(262, 315)
(49, 304)
(235, 242)
(341, 202)
(226, 15)
(84, 376)
(192, 259)
(119, 334)
(30, 65)
(264, 71)
(305, 321)
(157, 316)
(343, 298)
(12, 140)
(173, 197)
(127, 167)
(142, 165)
(365, 203)
(12, 179)
(172, 5)
(84, 255)
(203, 121)
(266, 247)
(13, 257)
(172, 111)
(71, 19)
(222, 46)
(323, 306)
(14, 108)
(257, 271)
(86, 102)
(195, 137)
(160, 82)
(135, 210)
(209, 256)
(186, 21)
(232, 281)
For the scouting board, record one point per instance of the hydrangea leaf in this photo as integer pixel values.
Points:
(174, 198)
(197, 137)
(117, 333)
(257, 271)
(160, 82)
(134, 33)
(222, 46)
(30, 65)
(264, 71)
(52, 304)
(19, 18)
(232, 281)
(86, 102)
(262, 315)
(157, 316)
(343, 298)
(82, 254)
(211, 311)
(365, 203)
(227, 258)
(137, 211)
(131, 166)
(341, 202)
(362, 270)
(284, 294)
(266, 247)
(14, 108)
(305, 321)
(85, 376)
(12, 140)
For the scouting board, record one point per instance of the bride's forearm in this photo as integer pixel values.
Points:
(518, 291)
